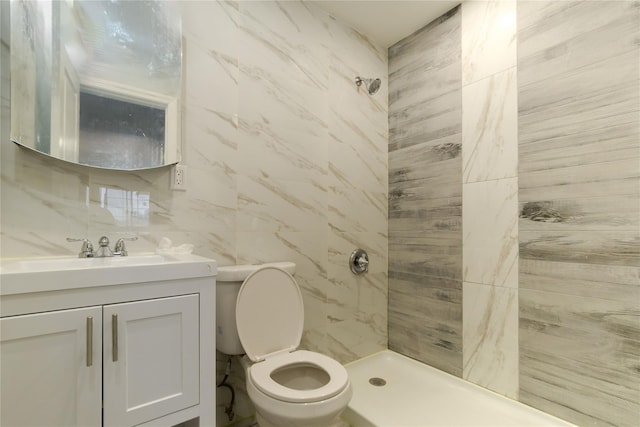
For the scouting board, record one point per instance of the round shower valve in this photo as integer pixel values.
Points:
(359, 261)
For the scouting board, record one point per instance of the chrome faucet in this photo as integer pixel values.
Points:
(120, 249)
(103, 250)
(87, 248)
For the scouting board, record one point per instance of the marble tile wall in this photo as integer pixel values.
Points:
(579, 208)
(286, 160)
(425, 195)
(490, 196)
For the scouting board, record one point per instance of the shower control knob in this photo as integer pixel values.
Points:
(359, 261)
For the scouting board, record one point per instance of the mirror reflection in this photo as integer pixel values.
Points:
(97, 82)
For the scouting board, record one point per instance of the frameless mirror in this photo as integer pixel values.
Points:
(97, 82)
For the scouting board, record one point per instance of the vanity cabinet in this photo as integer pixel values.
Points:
(48, 376)
(129, 354)
(150, 359)
(143, 354)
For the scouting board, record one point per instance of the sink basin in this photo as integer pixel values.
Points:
(54, 264)
(49, 274)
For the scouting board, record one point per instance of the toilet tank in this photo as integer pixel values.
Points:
(228, 282)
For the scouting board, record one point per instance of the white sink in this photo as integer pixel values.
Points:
(55, 264)
(48, 274)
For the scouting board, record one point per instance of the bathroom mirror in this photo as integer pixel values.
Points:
(97, 83)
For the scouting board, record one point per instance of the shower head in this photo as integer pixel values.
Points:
(372, 85)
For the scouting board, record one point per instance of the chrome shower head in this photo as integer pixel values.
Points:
(372, 85)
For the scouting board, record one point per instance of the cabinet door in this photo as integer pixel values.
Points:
(151, 359)
(51, 368)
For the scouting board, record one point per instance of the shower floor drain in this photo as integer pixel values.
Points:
(378, 382)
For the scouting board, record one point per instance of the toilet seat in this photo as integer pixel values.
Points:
(260, 374)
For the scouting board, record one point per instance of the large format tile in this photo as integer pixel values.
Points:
(490, 337)
(44, 201)
(559, 37)
(488, 38)
(490, 128)
(490, 232)
(579, 214)
(582, 351)
(357, 304)
(425, 319)
(425, 195)
(280, 205)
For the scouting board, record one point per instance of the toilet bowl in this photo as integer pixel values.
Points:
(288, 387)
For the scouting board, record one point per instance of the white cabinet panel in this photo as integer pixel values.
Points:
(45, 379)
(151, 365)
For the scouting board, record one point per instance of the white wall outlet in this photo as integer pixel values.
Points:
(178, 174)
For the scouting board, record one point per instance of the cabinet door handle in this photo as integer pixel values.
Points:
(89, 341)
(114, 337)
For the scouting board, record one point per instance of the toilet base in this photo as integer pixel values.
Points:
(338, 422)
(275, 413)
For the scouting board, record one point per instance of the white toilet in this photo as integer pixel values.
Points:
(259, 311)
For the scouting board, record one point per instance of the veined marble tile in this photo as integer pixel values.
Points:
(280, 205)
(488, 38)
(43, 202)
(283, 39)
(212, 145)
(356, 160)
(211, 78)
(275, 100)
(307, 249)
(356, 304)
(490, 232)
(357, 131)
(212, 24)
(352, 210)
(490, 337)
(141, 202)
(490, 128)
(273, 151)
(217, 244)
(355, 52)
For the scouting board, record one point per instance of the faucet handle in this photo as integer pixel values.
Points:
(119, 248)
(87, 248)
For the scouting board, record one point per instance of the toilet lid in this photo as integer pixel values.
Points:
(269, 313)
